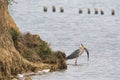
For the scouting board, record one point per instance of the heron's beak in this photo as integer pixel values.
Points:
(86, 51)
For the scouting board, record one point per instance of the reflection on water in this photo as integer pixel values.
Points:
(66, 31)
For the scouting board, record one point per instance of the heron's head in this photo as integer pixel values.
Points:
(82, 48)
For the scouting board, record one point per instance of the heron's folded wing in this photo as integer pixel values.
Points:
(74, 54)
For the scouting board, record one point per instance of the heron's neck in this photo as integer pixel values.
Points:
(81, 51)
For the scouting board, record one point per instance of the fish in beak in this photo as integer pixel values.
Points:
(86, 51)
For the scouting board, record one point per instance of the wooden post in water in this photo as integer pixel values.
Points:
(88, 11)
(53, 9)
(96, 11)
(113, 12)
(45, 9)
(80, 11)
(102, 12)
(61, 9)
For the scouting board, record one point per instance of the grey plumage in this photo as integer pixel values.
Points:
(74, 54)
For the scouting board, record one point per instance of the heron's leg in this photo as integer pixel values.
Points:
(76, 60)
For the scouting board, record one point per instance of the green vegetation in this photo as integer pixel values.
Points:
(44, 49)
(14, 34)
(9, 1)
(31, 46)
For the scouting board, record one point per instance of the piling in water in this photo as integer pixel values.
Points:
(88, 10)
(80, 10)
(113, 12)
(61, 9)
(45, 9)
(102, 12)
(53, 9)
(96, 11)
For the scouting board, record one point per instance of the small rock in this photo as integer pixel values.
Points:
(28, 78)
(20, 75)
(46, 70)
(14, 79)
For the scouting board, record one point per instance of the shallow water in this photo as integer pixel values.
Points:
(66, 31)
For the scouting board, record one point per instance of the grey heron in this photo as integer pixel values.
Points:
(78, 53)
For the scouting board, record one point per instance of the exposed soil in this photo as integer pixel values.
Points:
(21, 53)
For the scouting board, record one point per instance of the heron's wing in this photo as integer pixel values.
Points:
(74, 54)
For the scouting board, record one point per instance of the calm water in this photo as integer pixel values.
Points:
(66, 31)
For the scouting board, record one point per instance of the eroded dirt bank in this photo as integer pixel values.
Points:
(21, 53)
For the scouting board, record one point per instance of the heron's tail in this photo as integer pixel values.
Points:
(68, 58)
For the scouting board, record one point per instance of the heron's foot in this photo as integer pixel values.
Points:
(75, 63)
